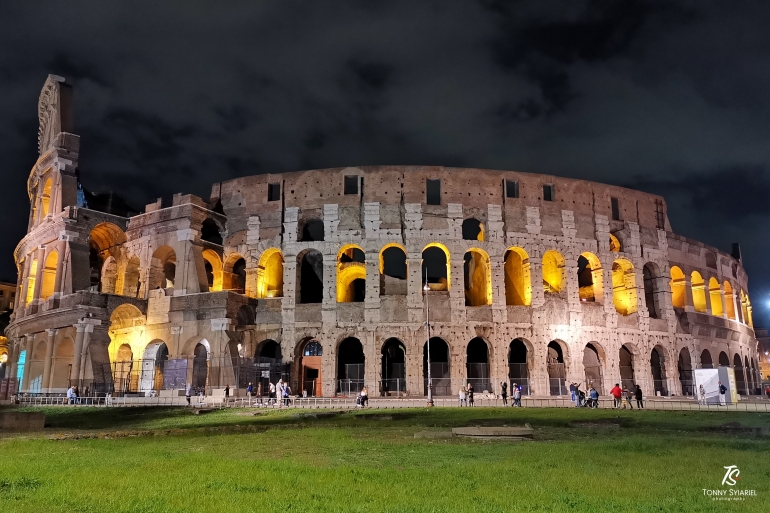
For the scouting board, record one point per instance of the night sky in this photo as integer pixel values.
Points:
(667, 97)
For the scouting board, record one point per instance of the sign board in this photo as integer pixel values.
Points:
(710, 378)
(266, 374)
(175, 374)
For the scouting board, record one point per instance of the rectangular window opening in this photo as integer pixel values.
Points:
(548, 193)
(511, 189)
(433, 192)
(351, 185)
(615, 209)
(274, 192)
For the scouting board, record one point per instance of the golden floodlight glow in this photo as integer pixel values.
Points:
(518, 280)
(553, 271)
(270, 274)
(624, 286)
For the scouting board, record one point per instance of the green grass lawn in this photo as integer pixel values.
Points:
(226, 461)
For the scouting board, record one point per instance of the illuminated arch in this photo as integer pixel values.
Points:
(351, 274)
(162, 268)
(439, 276)
(715, 297)
(270, 274)
(678, 286)
(391, 246)
(31, 279)
(45, 198)
(553, 272)
(478, 278)
(518, 281)
(234, 273)
(744, 307)
(624, 286)
(729, 301)
(49, 275)
(130, 285)
(698, 287)
(109, 275)
(614, 244)
(214, 269)
(590, 278)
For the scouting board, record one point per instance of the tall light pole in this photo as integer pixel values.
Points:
(426, 288)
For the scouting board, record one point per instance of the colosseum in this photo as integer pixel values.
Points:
(338, 278)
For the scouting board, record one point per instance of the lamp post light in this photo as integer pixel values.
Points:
(426, 288)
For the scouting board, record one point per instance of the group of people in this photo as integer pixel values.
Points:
(277, 390)
(579, 397)
(515, 394)
(622, 397)
(73, 395)
(362, 400)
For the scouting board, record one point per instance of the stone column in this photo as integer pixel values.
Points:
(688, 302)
(499, 310)
(61, 248)
(329, 302)
(372, 300)
(46, 386)
(77, 358)
(457, 286)
(39, 276)
(10, 366)
(414, 298)
(536, 279)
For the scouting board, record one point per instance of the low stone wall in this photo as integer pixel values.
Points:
(21, 421)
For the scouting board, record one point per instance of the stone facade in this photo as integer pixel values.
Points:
(319, 277)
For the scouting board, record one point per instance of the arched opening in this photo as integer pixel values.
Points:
(744, 308)
(393, 368)
(312, 231)
(103, 240)
(214, 270)
(311, 369)
(45, 198)
(626, 367)
(624, 286)
(698, 292)
(650, 273)
(351, 274)
(153, 365)
(477, 356)
(31, 279)
(740, 378)
(658, 368)
(311, 277)
(518, 365)
(729, 301)
(270, 274)
(49, 275)
(724, 360)
(677, 287)
(439, 367)
(592, 364)
(715, 297)
(109, 276)
(553, 272)
(131, 285)
(518, 282)
(473, 229)
(590, 280)
(122, 371)
(705, 360)
(200, 370)
(350, 366)
(557, 372)
(268, 362)
(162, 268)
(435, 262)
(478, 278)
(61, 366)
(614, 244)
(210, 232)
(36, 364)
(239, 276)
(393, 271)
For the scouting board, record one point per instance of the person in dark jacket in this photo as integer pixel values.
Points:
(638, 395)
(504, 392)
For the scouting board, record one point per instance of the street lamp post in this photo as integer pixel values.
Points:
(426, 288)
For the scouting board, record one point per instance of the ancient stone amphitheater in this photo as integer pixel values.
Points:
(325, 278)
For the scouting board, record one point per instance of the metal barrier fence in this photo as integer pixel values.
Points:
(482, 401)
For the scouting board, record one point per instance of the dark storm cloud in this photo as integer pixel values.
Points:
(667, 96)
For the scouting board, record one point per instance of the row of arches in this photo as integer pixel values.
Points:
(721, 299)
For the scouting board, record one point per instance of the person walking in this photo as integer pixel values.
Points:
(227, 395)
(187, 393)
(616, 394)
(463, 395)
(767, 391)
(638, 395)
(722, 394)
(702, 396)
(271, 393)
(626, 398)
(470, 394)
(594, 397)
(504, 392)
(516, 395)
(249, 390)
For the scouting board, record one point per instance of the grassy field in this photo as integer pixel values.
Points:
(152, 459)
